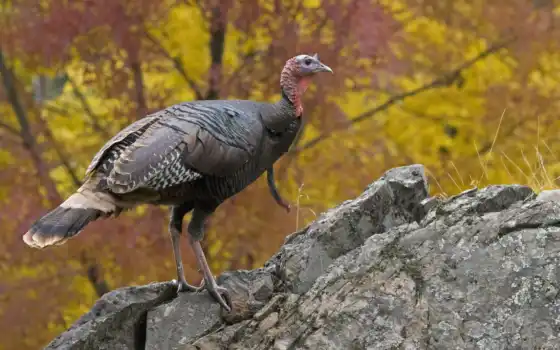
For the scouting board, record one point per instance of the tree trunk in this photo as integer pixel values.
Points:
(53, 196)
(141, 109)
(217, 43)
(9, 82)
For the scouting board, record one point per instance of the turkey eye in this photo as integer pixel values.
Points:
(307, 61)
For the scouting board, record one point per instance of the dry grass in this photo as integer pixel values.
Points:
(533, 170)
(299, 207)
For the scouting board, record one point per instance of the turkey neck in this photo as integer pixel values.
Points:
(293, 85)
(279, 115)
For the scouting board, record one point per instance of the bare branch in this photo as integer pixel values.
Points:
(29, 142)
(10, 129)
(8, 80)
(94, 274)
(64, 159)
(11, 137)
(55, 109)
(444, 80)
(177, 64)
(247, 59)
(94, 118)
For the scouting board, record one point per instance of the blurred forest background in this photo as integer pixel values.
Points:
(469, 88)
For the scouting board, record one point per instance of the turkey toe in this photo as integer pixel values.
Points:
(183, 286)
(220, 294)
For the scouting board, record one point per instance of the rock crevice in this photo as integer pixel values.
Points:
(390, 269)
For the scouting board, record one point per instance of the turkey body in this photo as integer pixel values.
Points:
(191, 156)
(198, 153)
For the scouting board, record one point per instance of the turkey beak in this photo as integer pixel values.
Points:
(323, 68)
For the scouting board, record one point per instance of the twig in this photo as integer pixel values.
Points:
(94, 118)
(29, 141)
(482, 164)
(10, 129)
(540, 158)
(94, 274)
(515, 165)
(488, 145)
(60, 152)
(298, 207)
(177, 64)
(491, 146)
(247, 58)
(444, 80)
(58, 110)
(458, 173)
(435, 180)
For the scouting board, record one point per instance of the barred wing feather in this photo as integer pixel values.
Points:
(131, 131)
(181, 147)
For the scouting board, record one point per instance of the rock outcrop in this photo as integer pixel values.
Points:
(391, 269)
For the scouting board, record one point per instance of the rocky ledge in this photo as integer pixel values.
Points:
(391, 269)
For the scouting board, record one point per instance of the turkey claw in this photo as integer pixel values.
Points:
(216, 292)
(202, 286)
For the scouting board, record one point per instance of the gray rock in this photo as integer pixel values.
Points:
(391, 201)
(174, 325)
(117, 320)
(249, 292)
(390, 269)
(192, 315)
(549, 195)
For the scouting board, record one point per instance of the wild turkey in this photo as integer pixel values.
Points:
(191, 156)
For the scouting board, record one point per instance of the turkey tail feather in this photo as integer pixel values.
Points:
(68, 219)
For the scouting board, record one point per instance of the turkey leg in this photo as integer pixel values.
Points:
(196, 232)
(175, 229)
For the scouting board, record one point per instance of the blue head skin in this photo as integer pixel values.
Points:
(309, 65)
(296, 76)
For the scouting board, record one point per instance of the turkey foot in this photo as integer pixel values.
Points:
(175, 228)
(183, 286)
(209, 282)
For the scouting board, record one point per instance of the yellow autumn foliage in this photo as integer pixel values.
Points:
(493, 120)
